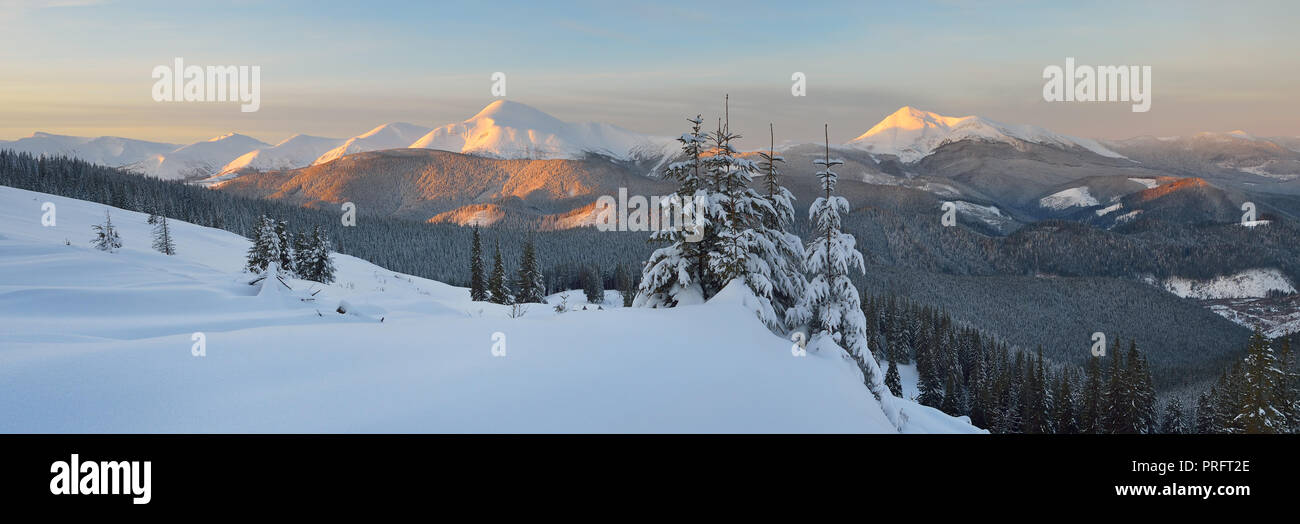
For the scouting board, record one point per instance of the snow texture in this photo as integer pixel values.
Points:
(102, 342)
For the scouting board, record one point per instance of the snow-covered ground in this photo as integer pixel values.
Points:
(1109, 209)
(1073, 197)
(1253, 283)
(1275, 317)
(1150, 183)
(104, 342)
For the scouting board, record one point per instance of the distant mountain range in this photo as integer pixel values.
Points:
(527, 165)
(503, 129)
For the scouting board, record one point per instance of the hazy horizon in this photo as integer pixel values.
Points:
(82, 67)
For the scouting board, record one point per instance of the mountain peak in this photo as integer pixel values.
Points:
(399, 128)
(232, 136)
(911, 134)
(508, 129)
(508, 113)
(908, 117)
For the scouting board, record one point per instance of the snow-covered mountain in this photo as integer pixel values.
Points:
(1253, 283)
(506, 129)
(199, 159)
(911, 134)
(1216, 153)
(294, 152)
(105, 150)
(96, 342)
(393, 135)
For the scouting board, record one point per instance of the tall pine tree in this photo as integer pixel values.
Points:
(1261, 376)
(266, 247)
(162, 236)
(529, 288)
(477, 287)
(783, 251)
(498, 290)
(678, 272)
(285, 241)
(742, 249)
(831, 307)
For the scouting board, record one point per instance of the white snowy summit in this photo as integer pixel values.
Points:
(199, 159)
(506, 129)
(393, 135)
(106, 150)
(296, 151)
(912, 134)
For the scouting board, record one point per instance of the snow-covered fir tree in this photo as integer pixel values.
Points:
(1204, 420)
(497, 287)
(529, 288)
(162, 236)
(623, 281)
(1286, 393)
(1229, 396)
(1118, 415)
(741, 247)
(929, 384)
(285, 239)
(1065, 418)
(266, 247)
(831, 307)
(592, 286)
(678, 272)
(302, 253)
(1143, 390)
(1092, 408)
(477, 285)
(106, 238)
(892, 379)
(1172, 422)
(785, 258)
(1261, 411)
(313, 257)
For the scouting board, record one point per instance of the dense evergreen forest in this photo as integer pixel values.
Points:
(964, 371)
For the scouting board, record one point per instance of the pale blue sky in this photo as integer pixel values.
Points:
(340, 68)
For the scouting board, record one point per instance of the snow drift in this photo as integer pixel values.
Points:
(99, 342)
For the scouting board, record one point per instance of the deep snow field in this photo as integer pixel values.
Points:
(102, 342)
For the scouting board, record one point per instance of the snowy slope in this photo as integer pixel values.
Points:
(100, 342)
(506, 129)
(199, 159)
(105, 150)
(394, 135)
(1252, 283)
(294, 152)
(912, 134)
(1073, 197)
